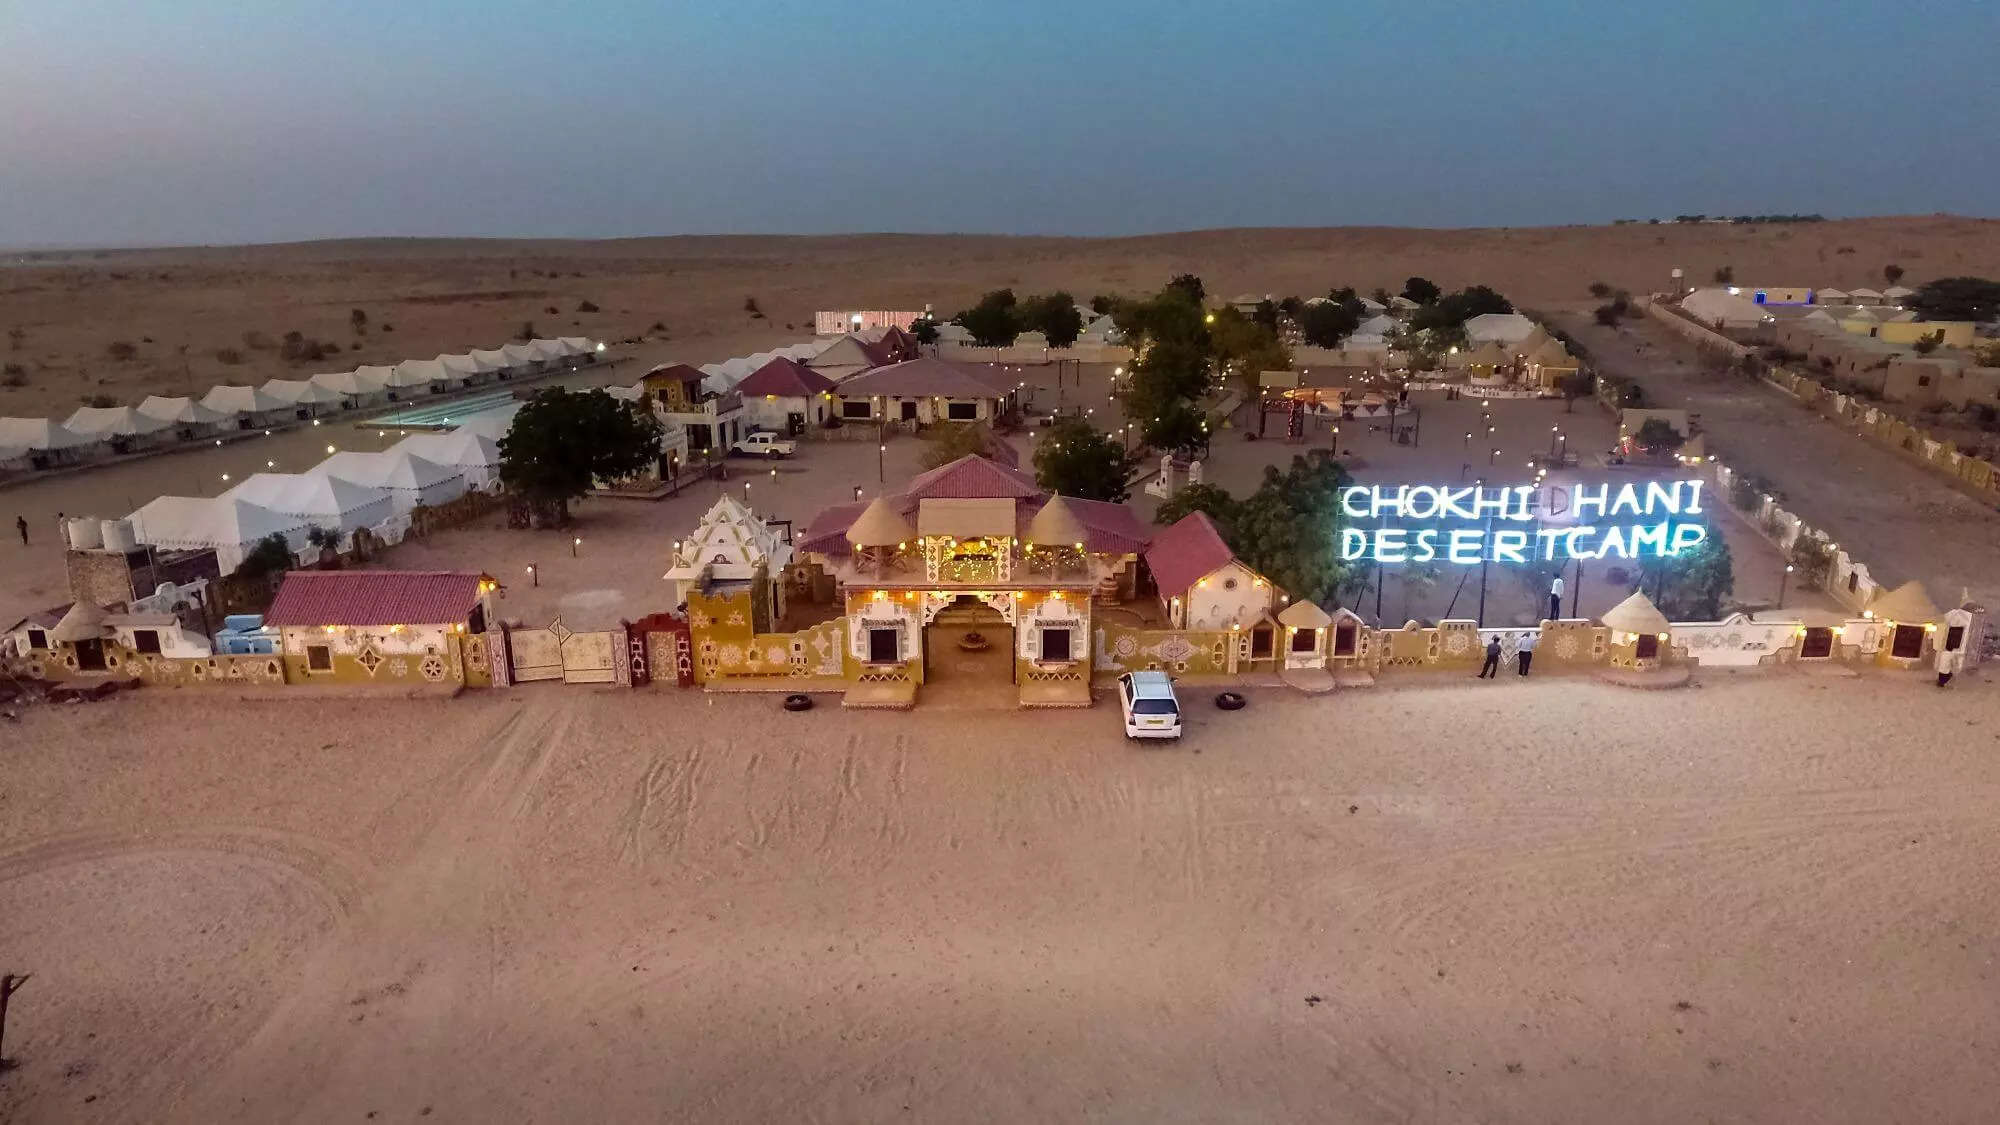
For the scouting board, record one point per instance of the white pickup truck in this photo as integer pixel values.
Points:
(765, 444)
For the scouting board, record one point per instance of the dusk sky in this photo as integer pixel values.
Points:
(143, 122)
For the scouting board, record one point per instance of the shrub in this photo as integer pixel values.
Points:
(551, 310)
(100, 402)
(228, 355)
(750, 306)
(1599, 290)
(13, 375)
(358, 318)
(388, 328)
(586, 307)
(659, 328)
(1745, 494)
(121, 350)
(257, 341)
(1812, 562)
(1608, 315)
(526, 332)
(15, 338)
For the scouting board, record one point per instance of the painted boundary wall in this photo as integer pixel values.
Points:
(1688, 329)
(1868, 421)
(1076, 353)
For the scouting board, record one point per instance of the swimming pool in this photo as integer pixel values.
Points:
(440, 415)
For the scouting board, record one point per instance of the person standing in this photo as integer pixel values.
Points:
(1491, 668)
(1524, 649)
(1556, 598)
(21, 525)
(1948, 660)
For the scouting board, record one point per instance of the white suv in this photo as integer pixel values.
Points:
(1151, 711)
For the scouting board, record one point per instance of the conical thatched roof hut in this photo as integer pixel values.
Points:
(1304, 615)
(879, 525)
(1908, 604)
(83, 622)
(1635, 614)
(1056, 524)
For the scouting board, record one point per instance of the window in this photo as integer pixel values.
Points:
(1649, 646)
(1908, 643)
(146, 640)
(909, 410)
(852, 409)
(1307, 640)
(319, 658)
(38, 638)
(1923, 380)
(961, 411)
(885, 646)
(1260, 642)
(1853, 581)
(1055, 645)
(1954, 637)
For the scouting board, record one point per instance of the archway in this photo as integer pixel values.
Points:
(969, 655)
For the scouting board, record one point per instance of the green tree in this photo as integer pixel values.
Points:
(925, 330)
(1054, 315)
(1190, 285)
(1382, 296)
(1289, 529)
(1957, 298)
(1658, 437)
(1575, 385)
(1327, 323)
(1892, 273)
(1077, 459)
(1422, 290)
(1217, 502)
(1929, 342)
(1695, 584)
(1724, 275)
(563, 442)
(271, 555)
(1103, 304)
(1178, 427)
(948, 441)
(1599, 290)
(1454, 309)
(1242, 347)
(994, 321)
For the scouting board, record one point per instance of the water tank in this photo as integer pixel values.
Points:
(118, 536)
(85, 534)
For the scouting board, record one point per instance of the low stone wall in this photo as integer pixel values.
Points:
(1869, 421)
(1078, 353)
(1696, 333)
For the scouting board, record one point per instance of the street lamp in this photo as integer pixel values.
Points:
(534, 576)
(881, 462)
(1783, 580)
(574, 544)
(857, 494)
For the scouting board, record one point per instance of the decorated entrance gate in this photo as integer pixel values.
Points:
(560, 653)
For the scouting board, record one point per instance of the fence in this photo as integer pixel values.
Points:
(1865, 420)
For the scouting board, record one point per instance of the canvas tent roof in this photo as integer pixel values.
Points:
(180, 410)
(419, 373)
(1635, 614)
(1858, 294)
(1378, 325)
(316, 498)
(464, 365)
(40, 433)
(230, 399)
(113, 421)
(304, 392)
(1908, 604)
(399, 470)
(1829, 296)
(578, 345)
(880, 525)
(495, 358)
(1487, 354)
(550, 350)
(1504, 327)
(358, 382)
(1897, 293)
(461, 448)
(191, 522)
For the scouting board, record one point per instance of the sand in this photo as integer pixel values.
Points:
(1754, 900)
(425, 296)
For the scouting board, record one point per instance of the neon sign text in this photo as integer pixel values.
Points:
(1520, 523)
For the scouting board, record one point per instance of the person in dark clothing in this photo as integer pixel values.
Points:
(21, 525)
(1491, 668)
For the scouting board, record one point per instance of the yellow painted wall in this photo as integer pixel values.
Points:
(1957, 333)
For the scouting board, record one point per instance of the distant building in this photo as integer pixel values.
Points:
(835, 322)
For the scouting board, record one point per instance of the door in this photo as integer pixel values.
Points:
(885, 646)
(1649, 647)
(90, 656)
(1908, 643)
(1817, 645)
(1260, 643)
(909, 411)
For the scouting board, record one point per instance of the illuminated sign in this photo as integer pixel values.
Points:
(1420, 523)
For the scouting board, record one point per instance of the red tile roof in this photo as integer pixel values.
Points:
(1185, 553)
(677, 372)
(785, 378)
(972, 477)
(374, 597)
(924, 378)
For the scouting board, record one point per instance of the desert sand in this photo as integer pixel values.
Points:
(180, 307)
(1760, 899)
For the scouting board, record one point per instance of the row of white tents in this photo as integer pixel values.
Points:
(348, 492)
(92, 430)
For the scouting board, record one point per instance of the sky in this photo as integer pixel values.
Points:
(166, 122)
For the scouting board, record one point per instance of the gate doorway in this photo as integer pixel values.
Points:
(969, 657)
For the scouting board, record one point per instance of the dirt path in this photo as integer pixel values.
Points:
(1524, 901)
(1886, 511)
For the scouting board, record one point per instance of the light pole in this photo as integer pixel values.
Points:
(1553, 430)
(534, 576)
(1784, 580)
(882, 462)
(574, 543)
(857, 494)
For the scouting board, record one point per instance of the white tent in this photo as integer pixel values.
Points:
(357, 387)
(413, 373)
(801, 352)
(551, 351)
(182, 411)
(1504, 328)
(327, 501)
(1721, 308)
(301, 392)
(1371, 305)
(524, 357)
(467, 368)
(497, 360)
(1829, 297)
(39, 435)
(1379, 325)
(228, 527)
(580, 346)
(411, 480)
(1897, 294)
(113, 422)
(244, 402)
(1864, 297)
(474, 454)
(626, 394)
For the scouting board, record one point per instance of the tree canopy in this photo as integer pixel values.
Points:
(1454, 309)
(1327, 323)
(1289, 529)
(1957, 298)
(1054, 315)
(1422, 290)
(1242, 347)
(1077, 459)
(1215, 501)
(1190, 285)
(1657, 436)
(992, 321)
(563, 442)
(925, 330)
(1695, 583)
